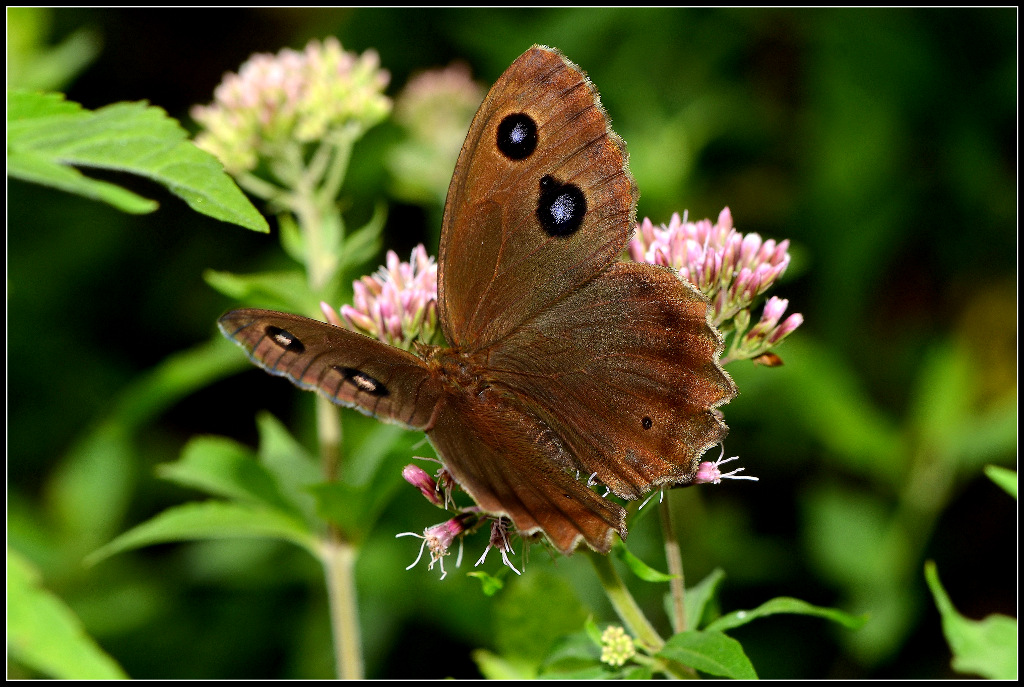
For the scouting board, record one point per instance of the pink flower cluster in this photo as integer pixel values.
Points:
(291, 96)
(730, 268)
(397, 304)
(440, 538)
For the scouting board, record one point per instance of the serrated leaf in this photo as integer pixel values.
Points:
(223, 467)
(210, 520)
(46, 136)
(785, 604)
(45, 635)
(983, 647)
(709, 652)
(1007, 479)
(40, 169)
(639, 568)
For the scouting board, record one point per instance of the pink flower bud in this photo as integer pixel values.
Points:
(786, 328)
(421, 479)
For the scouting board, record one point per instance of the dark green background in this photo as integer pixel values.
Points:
(881, 142)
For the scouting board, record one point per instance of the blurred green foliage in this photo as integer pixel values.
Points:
(881, 142)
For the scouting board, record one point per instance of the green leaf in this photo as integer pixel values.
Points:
(45, 635)
(210, 520)
(345, 505)
(379, 450)
(293, 468)
(988, 436)
(532, 615)
(40, 169)
(831, 402)
(592, 631)
(698, 597)
(638, 673)
(709, 652)
(842, 533)
(292, 240)
(983, 647)
(944, 414)
(92, 487)
(578, 657)
(364, 243)
(223, 467)
(785, 604)
(286, 290)
(34, 64)
(639, 568)
(47, 135)
(356, 504)
(940, 405)
(1007, 479)
(489, 584)
(494, 667)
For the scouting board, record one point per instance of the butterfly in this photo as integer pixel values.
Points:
(565, 365)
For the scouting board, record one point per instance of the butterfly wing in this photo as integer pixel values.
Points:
(541, 201)
(624, 371)
(512, 464)
(348, 368)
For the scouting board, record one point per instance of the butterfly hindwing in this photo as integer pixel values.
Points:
(624, 370)
(512, 464)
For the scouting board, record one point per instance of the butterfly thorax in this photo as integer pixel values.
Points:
(457, 371)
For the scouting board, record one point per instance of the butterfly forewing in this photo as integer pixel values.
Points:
(348, 368)
(540, 202)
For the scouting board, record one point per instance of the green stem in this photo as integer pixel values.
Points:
(341, 149)
(319, 225)
(339, 558)
(260, 188)
(624, 603)
(328, 427)
(633, 618)
(674, 559)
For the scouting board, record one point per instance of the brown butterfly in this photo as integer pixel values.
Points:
(566, 365)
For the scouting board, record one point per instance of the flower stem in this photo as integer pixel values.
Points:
(339, 558)
(674, 559)
(319, 223)
(634, 619)
(328, 428)
(624, 603)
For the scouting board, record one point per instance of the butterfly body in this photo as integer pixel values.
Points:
(565, 366)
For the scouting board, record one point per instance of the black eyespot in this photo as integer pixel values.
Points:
(285, 339)
(561, 207)
(647, 423)
(517, 136)
(362, 381)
